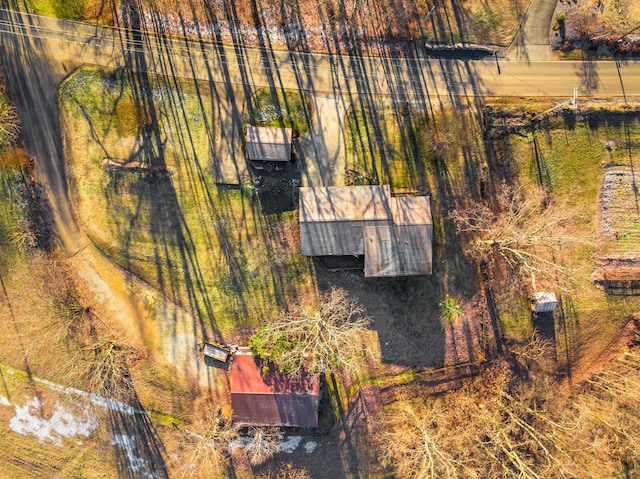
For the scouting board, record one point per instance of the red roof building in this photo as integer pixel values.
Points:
(272, 399)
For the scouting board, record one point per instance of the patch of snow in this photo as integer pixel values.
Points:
(4, 401)
(113, 405)
(95, 399)
(289, 444)
(310, 446)
(239, 443)
(62, 423)
(136, 463)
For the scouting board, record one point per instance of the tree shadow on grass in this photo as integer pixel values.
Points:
(139, 452)
(180, 272)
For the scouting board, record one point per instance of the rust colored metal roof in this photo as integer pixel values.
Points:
(271, 398)
(393, 233)
(344, 203)
(268, 144)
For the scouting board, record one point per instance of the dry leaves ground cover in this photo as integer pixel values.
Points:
(363, 26)
(601, 27)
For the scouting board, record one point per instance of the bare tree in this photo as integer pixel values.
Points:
(409, 442)
(602, 421)
(95, 356)
(263, 444)
(501, 426)
(325, 338)
(103, 368)
(207, 450)
(525, 231)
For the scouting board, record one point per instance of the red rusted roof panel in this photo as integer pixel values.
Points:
(271, 398)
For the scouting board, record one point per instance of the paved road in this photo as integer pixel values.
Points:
(33, 85)
(38, 51)
(531, 42)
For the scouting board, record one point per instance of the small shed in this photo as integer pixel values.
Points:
(544, 302)
(215, 351)
(268, 144)
(268, 398)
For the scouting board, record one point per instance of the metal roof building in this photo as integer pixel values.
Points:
(272, 399)
(393, 233)
(268, 144)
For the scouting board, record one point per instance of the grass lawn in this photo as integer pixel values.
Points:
(284, 109)
(407, 149)
(572, 161)
(209, 249)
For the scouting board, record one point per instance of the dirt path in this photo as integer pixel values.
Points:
(150, 321)
(322, 155)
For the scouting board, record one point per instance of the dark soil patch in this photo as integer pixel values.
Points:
(276, 187)
(406, 317)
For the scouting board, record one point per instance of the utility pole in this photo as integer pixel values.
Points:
(617, 59)
(572, 102)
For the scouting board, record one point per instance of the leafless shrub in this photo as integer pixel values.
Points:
(9, 123)
(66, 315)
(288, 471)
(15, 159)
(206, 447)
(535, 348)
(263, 444)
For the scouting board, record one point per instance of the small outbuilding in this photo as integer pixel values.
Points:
(544, 302)
(268, 398)
(393, 234)
(215, 351)
(268, 144)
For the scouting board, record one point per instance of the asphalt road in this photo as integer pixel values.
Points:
(531, 42)
(416, 75)
(38, 52)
